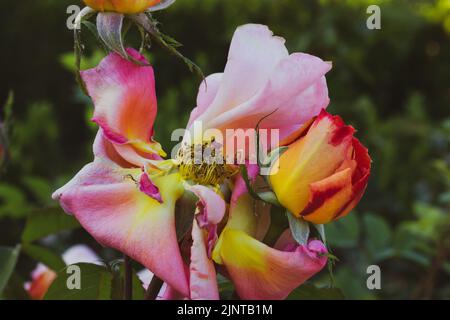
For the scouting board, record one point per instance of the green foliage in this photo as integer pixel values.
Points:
(96, 284)
(45, 256)
(44, 222)
(8, 260)
(311, 292)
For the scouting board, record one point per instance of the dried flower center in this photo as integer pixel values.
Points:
(204, 163)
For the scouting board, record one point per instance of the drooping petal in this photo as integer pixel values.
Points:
(125, 101)
(203, 283)
(107, 202)
(211, 206)
(247, 215)
(260, 272)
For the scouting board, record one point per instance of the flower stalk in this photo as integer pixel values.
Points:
(128, 279)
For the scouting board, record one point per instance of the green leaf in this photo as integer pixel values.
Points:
(321, 230)
(378, 233)
(15, 290)
(8, 260)
(95, 284)
(44, 222)
(269, 197)
(299, 228)
(12, 201)
(226, 288)
(344, 233)
(44, 255)
(311, 292)
(39, 187)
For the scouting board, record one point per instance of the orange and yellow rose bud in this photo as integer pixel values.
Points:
(121, 6)
(323, 174)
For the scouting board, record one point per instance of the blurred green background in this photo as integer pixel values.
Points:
(392, 84)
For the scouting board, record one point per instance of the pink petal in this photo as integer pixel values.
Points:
(212, 206)
(240, 187)
(124, 98)
(80, 253)
(262, 273)
(203, 283)
(147, 186)
(107, 202)
(260, 77)
(296, 89)
(254, 53)
(206, 94)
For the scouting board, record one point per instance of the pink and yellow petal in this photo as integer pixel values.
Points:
(108, 203)
(125, 100)
(260, 272)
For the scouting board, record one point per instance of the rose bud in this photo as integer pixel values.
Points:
(324, 173)
(121, 6)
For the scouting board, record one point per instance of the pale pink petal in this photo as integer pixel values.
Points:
(81, 253)
(254, 53)
(206, 94)
(296, 89)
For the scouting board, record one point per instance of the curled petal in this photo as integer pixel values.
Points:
(211, 206)
(260, 272)
(203, 283)
(107, 202)
(149, 188)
